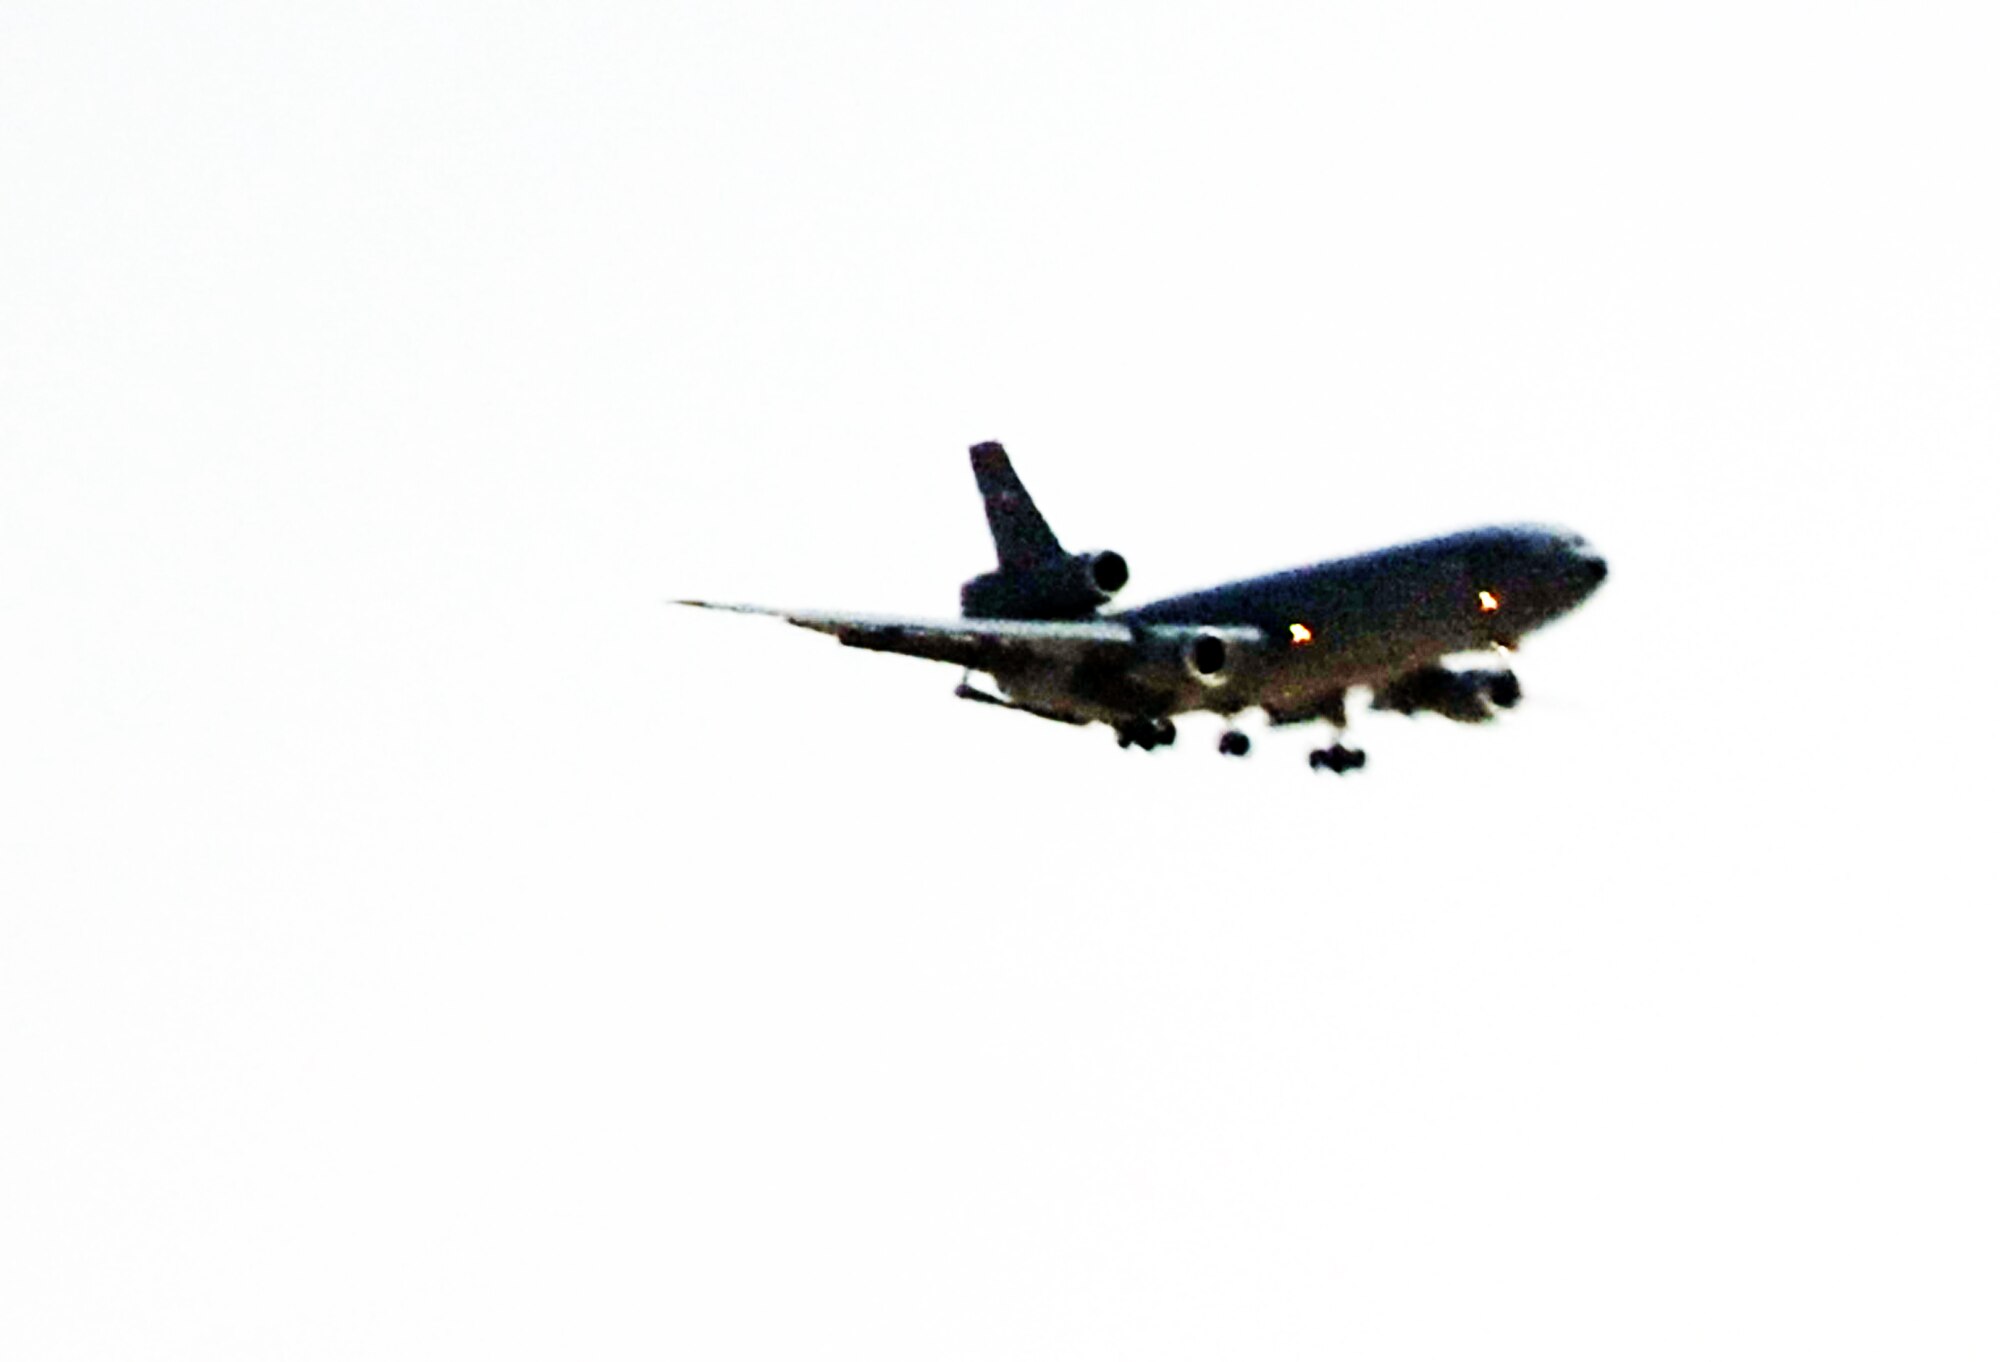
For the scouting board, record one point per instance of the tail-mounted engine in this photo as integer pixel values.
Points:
(1037, 579)
(1467, 697)
(1066, 588)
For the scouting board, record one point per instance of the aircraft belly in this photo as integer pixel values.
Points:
(1285, 678)
(1309, 675)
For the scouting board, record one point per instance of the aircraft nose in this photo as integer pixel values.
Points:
(1586, 571)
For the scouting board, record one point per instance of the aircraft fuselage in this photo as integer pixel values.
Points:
(1356, 621)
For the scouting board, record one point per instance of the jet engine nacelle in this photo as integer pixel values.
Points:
(1070, 587)
(1467, 697)
(1214, 656)
(1208, 658)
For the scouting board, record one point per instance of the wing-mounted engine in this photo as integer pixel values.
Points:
(1208, 657)
(1070, 587)
(1466, 697)
(1170, 655)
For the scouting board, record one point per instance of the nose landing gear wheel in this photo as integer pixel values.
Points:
(1234, 744)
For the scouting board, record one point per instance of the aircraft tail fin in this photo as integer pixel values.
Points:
(1020, 535)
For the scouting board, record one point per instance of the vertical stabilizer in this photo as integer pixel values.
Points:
(1022, 538)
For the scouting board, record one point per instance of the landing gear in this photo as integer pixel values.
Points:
(1339, 759)
(1503, 688)
(1234, 744)
(1146, 734)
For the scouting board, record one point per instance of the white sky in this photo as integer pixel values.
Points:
(416, 941)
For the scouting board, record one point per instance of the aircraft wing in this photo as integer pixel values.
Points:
(979, 643)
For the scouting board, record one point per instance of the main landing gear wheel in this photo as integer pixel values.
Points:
(1504, 690)
(1337, 759)
(1235, 744)
(1147, 734)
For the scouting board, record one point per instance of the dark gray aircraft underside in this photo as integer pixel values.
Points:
(1290, 643)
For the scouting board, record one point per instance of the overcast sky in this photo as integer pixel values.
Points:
(416, 940)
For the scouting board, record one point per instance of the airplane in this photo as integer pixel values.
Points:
(1291, 643)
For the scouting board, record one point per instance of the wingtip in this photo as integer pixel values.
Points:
(730, 606)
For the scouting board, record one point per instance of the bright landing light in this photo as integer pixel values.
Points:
(1301, 634)
(1488, 602)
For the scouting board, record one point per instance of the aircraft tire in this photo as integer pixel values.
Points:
(1338, 759)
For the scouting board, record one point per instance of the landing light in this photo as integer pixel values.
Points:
(1301, 635)
(1488, 602)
